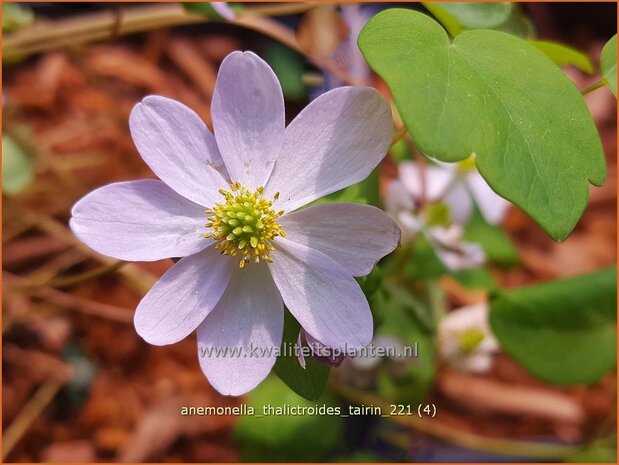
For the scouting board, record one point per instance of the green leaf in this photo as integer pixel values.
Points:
(608, 63)
(424, 263)
(15, 16)
(563, 55)
(286, 438)
(449, 21)
(475, 278)
(497, 96)
(563, 332)
(17, 169)
(308, 382)
(207, 9)
(406, 380)
(497, 245)
(471, 15)
(289, 66)
(517, 25)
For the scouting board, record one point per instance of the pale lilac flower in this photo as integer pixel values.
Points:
(255, 253)
(446, 238)
(458, 185)
(347, 55)
(465, 340)
(318, 351)
(370, 360)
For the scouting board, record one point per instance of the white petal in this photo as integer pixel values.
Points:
(452, 251)
(179, 148)
(183, 297)
(336, 141)
(492, 206)
(398, 198)
(460, 203)
(249, 319)
(248, 117)
(436, 179)
(356, 236)
(139, 221)
(478, 362)
(322, 296)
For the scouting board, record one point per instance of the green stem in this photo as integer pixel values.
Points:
(593, 87)
(397, 135)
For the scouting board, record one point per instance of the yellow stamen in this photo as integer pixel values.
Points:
(244, 224)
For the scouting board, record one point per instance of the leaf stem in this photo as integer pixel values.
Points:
(593, 87)
(397, 135)
(35, 406)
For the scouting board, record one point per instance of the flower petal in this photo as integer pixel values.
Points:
(249, 319)
(248, 117)
(336, 141)
(398, 198)
(492, 206)
(179, 148)
(436, 179)
(322, 296)
(183, 297)
(355, 236)
(453, 251)
(139, 221)
(460, 203)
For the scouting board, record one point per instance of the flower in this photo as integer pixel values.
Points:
(226, 204)
(465, 339)
(433, 222)
(347, 54)
(458, 185)
(324, 355)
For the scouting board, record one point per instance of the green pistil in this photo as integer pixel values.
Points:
(470, 339)
(244, 224)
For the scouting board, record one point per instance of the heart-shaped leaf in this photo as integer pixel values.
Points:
(497, 96)
(563, 331)
(472, 15)
(608, 63)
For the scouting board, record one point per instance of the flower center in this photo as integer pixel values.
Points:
(470, 339)
(244, 224)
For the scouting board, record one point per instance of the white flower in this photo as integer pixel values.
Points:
(465, 340)
(458, 185)
(255, 253)
(446, 239)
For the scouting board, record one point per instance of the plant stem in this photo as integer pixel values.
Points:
(53, 35)
(397, 135)
(41, 399)
(593, 87)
